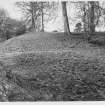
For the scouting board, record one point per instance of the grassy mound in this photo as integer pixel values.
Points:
(75, 74)
(34, 41)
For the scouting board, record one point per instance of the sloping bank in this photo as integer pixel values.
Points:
(54, 77)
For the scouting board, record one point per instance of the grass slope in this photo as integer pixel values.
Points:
(56, 72)
(39, 42)
(57, 77)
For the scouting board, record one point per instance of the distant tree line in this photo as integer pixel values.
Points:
(10, 27)
(89, 12)
(38, 14)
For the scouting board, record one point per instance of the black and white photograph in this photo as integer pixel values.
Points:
(52, 51)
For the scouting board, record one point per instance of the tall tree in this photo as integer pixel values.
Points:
(42, 17)
(89, 14)
(35, 11)
(92, 17)
(3, 22)
(31, 11)
(84, 19)
(66, 22)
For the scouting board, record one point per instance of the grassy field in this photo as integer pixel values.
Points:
(52, 67)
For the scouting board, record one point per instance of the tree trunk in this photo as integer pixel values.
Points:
(84, 18)
(33, 21)
(33, 15)
(91, 25)
(42, 18)
(66, 22)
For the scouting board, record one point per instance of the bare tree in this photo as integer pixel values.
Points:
(33, 11)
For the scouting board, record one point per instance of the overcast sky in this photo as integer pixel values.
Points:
(11, 8)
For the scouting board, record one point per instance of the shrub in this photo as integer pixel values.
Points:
(21, 30)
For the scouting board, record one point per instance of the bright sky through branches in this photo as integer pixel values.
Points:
(14, 12)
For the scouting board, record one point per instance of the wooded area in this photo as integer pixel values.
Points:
(38, 14)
